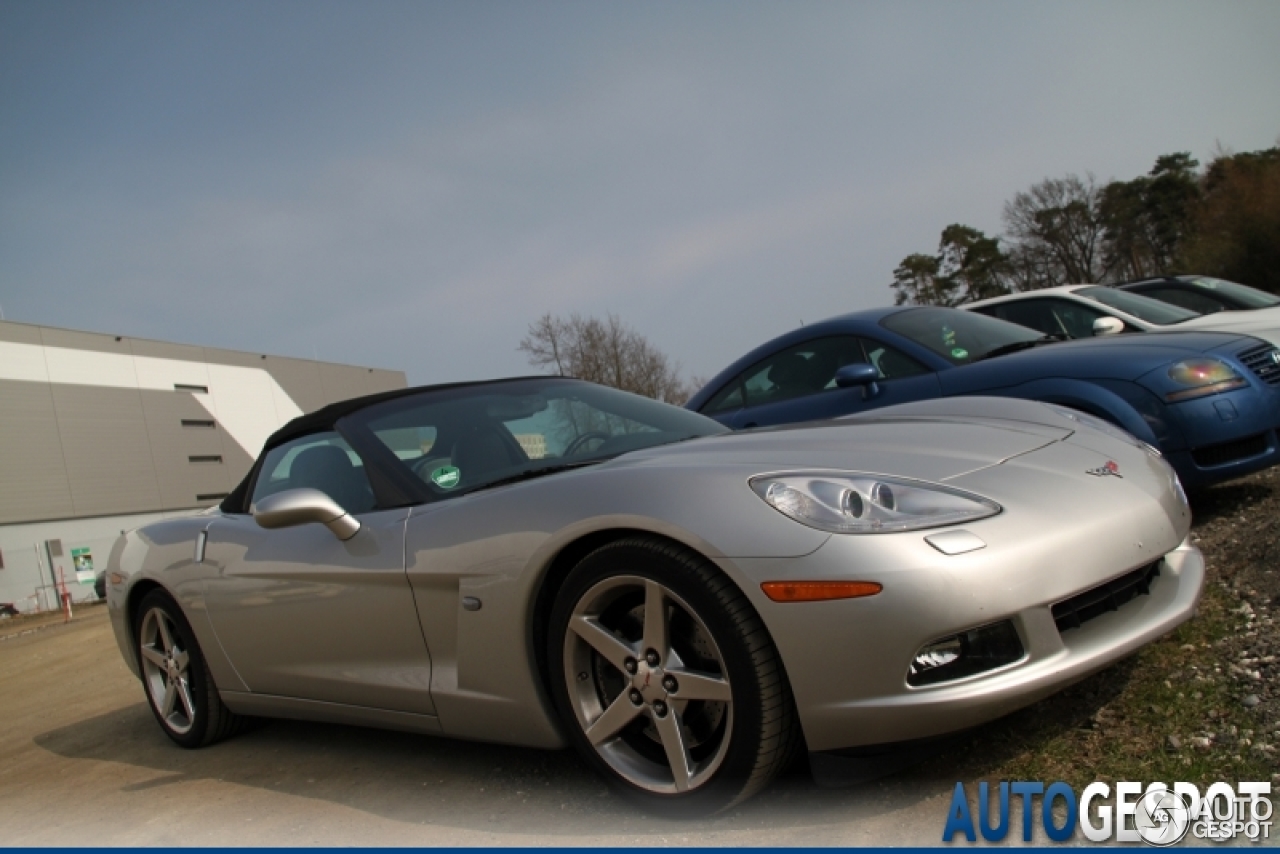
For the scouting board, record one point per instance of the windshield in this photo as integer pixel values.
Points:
(1243, 294)
(1143, 308)
(461, 439)
(958, 336)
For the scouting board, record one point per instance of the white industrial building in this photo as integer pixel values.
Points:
(102, 433)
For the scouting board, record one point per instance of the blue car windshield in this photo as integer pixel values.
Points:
(960, 337)
(1246, 296)
(1143, 308)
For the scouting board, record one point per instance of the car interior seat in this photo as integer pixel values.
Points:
(330, 470)
(794, 375)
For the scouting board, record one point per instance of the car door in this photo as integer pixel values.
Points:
(1049, 315)
(798, 383)
(302, 614)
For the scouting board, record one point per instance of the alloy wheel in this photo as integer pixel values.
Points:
(648, 684)
(166, 671)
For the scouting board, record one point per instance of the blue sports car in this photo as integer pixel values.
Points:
(1209, 401)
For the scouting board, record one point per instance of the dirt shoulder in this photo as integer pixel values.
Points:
(25, 624)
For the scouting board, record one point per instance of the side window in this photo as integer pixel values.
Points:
(1075, 319)
(1202, 303)
(321, 461)
(891, 364)
(1034, 314)
(798, 371)
(727, 400)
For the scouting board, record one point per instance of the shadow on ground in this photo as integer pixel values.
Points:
(493, 788)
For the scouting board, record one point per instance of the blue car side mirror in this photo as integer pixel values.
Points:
(859, 374)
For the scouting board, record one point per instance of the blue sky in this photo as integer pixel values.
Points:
(409, 184)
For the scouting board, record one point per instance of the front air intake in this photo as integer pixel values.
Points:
(1083, 607)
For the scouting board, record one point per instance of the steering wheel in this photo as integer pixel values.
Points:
(577, 444)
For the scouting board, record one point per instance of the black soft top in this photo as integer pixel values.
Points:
(324, 419)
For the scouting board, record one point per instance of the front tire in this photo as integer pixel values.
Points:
(178, 685)
(666, 679)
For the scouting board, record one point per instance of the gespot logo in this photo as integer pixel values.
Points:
(1156, 814)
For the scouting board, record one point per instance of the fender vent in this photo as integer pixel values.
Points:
(1083, 607)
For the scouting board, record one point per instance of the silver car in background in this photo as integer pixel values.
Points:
(546, 562)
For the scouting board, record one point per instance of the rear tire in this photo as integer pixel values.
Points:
(178, 685)
(667, 680)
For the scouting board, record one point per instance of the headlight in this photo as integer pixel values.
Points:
(852, 503)
(1087, 420)
(1203, 377)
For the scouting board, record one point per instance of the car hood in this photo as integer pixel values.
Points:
(929, 441)
(1263, 323)
(1124, 357)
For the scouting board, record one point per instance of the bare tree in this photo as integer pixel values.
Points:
(606, 352)
(1058, 228)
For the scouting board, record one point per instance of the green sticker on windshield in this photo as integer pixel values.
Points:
(446, 477)
(959, 353)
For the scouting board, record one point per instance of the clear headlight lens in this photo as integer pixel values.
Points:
(1203, 377)
(1086, 420)
(853, 503)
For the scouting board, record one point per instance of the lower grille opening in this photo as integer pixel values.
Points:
(1230, 452)
(965, 654)
(1083, 607)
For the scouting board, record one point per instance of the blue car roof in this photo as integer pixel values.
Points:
(1110, 357)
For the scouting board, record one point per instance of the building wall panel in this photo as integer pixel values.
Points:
(72, 339)
(91, 424)
(341, 382)
(173, 445)
(107, 450)
(33, 475)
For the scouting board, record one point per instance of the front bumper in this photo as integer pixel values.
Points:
(1063, 532)
(1226, 436)
(1054, 659)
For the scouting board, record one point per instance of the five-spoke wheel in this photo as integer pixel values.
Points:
(648, 684)
(667, 678)
(166, 670)
(179, 687)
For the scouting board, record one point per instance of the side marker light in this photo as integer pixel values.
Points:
(818, 591)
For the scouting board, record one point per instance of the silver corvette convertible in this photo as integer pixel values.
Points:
(546, 562)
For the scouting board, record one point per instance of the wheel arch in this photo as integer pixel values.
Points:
(133, 601)
(557, 569)
(562, 562)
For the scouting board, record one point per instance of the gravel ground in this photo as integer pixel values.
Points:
(1238, 529)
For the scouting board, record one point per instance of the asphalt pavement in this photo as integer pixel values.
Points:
(82, 762)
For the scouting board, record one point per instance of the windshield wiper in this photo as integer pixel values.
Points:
(1016, 346)
(529, 474)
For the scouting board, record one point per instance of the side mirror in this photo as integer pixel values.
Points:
(300, 506)
(859, 374)
(1108, 326)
